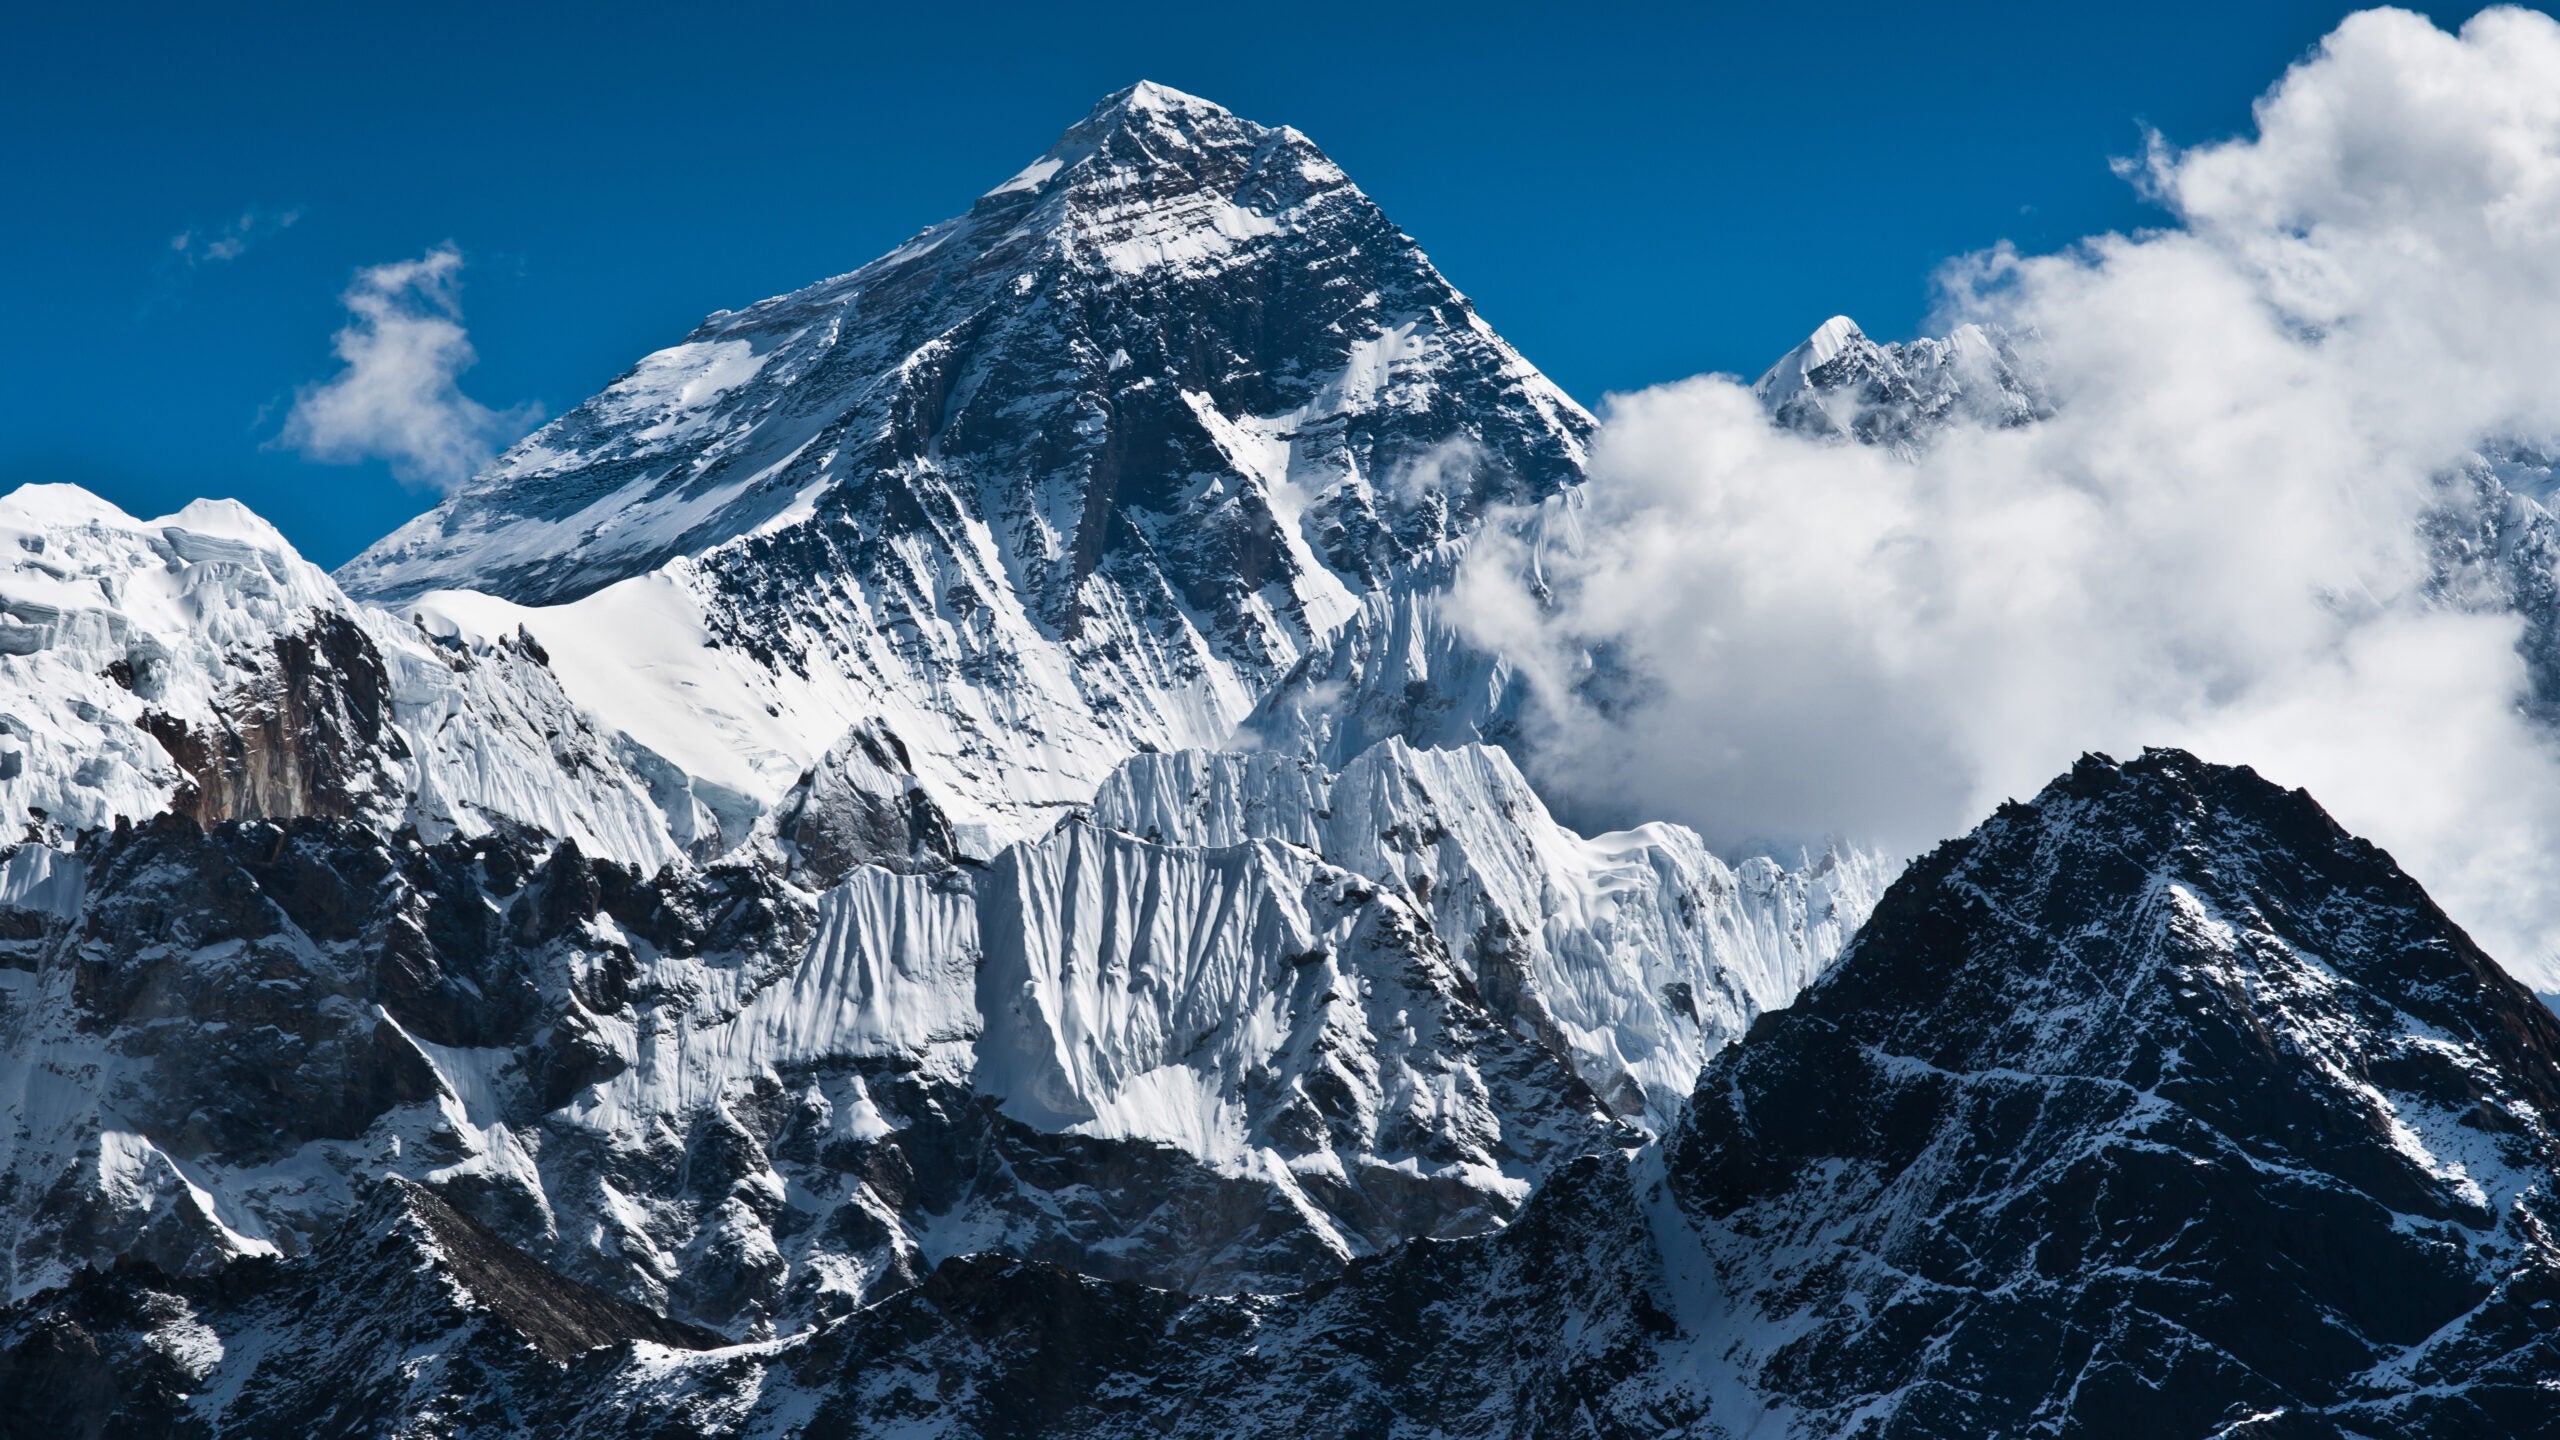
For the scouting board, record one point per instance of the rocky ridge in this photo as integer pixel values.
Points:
(1230, 1057)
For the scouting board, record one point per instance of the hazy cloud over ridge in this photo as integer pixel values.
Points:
(2212, 542)
(399, 396)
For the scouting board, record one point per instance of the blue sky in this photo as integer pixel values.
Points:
(1631, 194)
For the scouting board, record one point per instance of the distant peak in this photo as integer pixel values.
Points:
(40, 503)
(1830, 338)
(1827, 343)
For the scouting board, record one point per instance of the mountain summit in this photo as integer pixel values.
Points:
(1193, 295)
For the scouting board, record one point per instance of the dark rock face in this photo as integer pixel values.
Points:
(1556, 1326)
(309, 734)
(560, 1317)
(233, 996)
(861, 804)
(2152, 1106)
(409, 1317)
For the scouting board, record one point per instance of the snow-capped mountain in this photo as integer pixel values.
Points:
(195, 663)
(754, 893)
(1082, 472)
(2489, 531)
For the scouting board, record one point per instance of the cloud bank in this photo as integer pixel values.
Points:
(2213, 542)
(399, 396)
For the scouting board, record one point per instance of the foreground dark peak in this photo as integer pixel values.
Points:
(2156, 1104)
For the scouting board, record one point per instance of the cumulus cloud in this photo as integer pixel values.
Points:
(2214, 541)
(398, 396)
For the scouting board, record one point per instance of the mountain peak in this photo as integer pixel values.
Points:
(1795, 370)
(1153, 194)
(1830, 338)
(1840, 384)
(1149, 97)
(1145, 129)
(1157, 396)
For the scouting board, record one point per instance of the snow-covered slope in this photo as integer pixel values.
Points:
(196, 662)
(1636, 954)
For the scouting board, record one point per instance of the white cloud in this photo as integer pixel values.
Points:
(199, 245)
(398, 397)
(2211, 543)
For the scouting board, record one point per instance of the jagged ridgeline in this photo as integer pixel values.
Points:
(932, 862)
(2156, 1106)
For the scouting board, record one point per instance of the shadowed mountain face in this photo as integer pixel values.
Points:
(2158, 1106)
(2151, 1106)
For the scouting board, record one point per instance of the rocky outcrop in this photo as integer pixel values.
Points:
(310, 733)
(408, 1317)
(861, 804)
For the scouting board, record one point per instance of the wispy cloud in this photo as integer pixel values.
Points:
(2215, 540)
(398, 395)
(198, 246)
